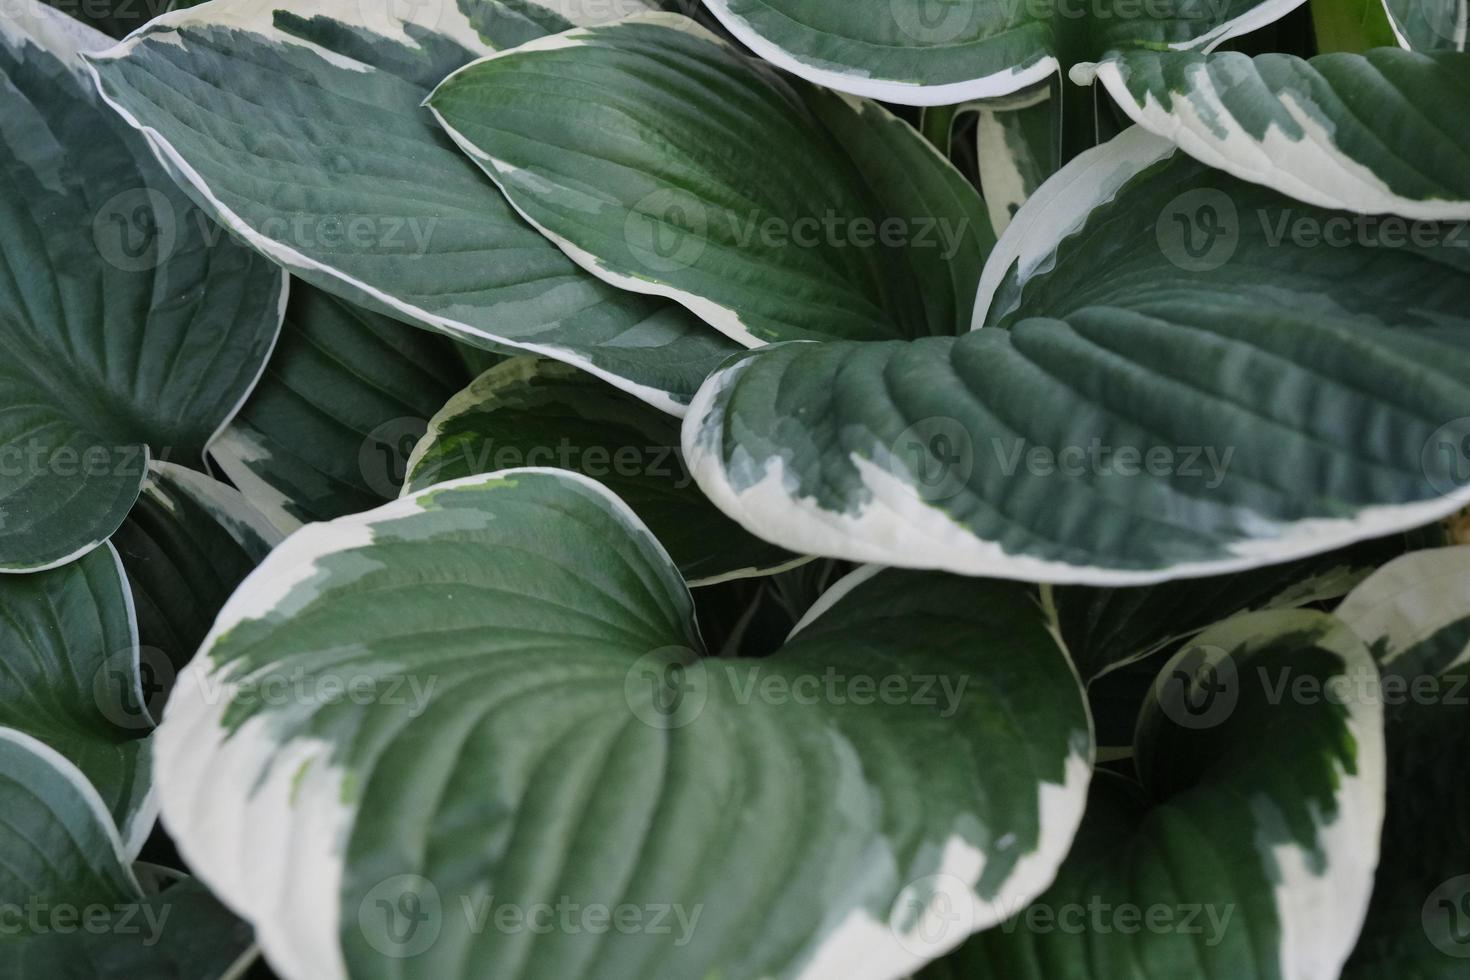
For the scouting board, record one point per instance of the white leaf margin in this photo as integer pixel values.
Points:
(255, 16)
(268, 839)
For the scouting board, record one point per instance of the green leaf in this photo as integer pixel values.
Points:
(1349, 131)
(1018, 142)
(1351, 25)
(1428, 25)
(129, 322)
(74, 909)
(1414, 614)
(1153, 396)
(923, 52)
(305, 136)
(1247, 849)
(186, 545)
(347, 394)
(73, 679)
(632, 147)
(532, 723)
(1105, 629)
(530, 412)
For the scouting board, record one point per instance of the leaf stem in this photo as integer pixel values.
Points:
(937, 124)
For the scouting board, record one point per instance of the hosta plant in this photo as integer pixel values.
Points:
(741, 489)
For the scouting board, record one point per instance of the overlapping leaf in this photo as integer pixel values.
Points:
(1172, 381)
(530, 412)
(494, 700)
(302, 131)
(1414, 615)
(130, 323)
(665, 162)
(1357, 132)
(923, 52)
(343, 401)
(186, 545)
(74, 910)
(1247, 850)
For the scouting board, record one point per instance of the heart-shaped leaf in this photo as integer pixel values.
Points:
(74, 910)
(1247, 849)
(344, 399)
(1171, 382)
(485, 700)
(1349, 131)
(1414, 614)
(531, 412)
(130, 323)
(302, 131)
(632, 146)
(942, 52)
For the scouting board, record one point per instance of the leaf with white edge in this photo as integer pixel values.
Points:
(304, 134)
(186, 545)
(129, 322)
(632, 145)
(1348, 131)
(344, 399)
(1247, 848)
(531, 412)
(1150, 399)
(1018, 144)
(74, 909)
(530, 721)
(1414, 615)
(59, 841)
(72, 678)
(1429, 25)
(1105, 629)
(919, 52)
